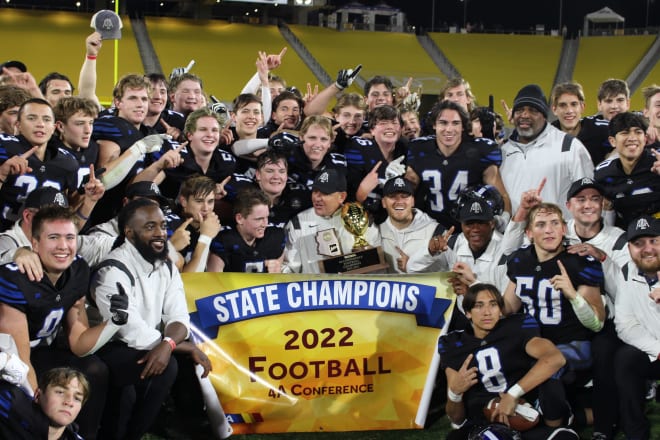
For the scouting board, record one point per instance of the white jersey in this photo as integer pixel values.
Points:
(637, 317)
(549, 155)
(302, 248)
(410, 240)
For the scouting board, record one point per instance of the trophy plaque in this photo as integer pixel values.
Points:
(363, 258)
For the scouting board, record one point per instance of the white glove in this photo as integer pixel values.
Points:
(12, 368)
(395, 168)
(150, 144)
(178, 71)
(501, 221)
(412, 102)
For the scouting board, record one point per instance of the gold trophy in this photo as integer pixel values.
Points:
(356, 221)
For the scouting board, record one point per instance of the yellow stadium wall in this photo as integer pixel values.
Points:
(55, 41)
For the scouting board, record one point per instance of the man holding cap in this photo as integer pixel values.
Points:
(406, 229)
(638, 324)
(318, 232)
(536, 149)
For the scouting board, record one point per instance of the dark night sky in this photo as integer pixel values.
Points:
(519, 14)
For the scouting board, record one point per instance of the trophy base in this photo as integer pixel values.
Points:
(370, 260)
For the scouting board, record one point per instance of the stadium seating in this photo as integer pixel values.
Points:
(500, 65)
(398, 56)
(623, 54)
(55, 41)
(225, 53)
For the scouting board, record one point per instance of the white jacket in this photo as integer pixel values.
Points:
(410, 240)
(637, 316)
(155, 296)
(524, 165)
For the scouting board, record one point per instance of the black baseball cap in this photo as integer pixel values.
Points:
(475, 209)
(398, 185)
(45, 196)
(329, 181)
(148, 189)
(584, 183)
(644, 226)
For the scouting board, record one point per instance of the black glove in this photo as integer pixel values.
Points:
(284, 142)
(487, 120)
(345, 77)
(119, 305)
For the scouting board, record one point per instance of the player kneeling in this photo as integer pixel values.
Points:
(491, 360)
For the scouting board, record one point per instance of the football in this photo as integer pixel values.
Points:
(526, 416)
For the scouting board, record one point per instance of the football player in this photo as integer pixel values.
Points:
(36, 313)
(444, 164)
(630, 180)
(286, 198)
(492, 358)
(559, 289)
(367, 160)
(195, 214)
(124, 142)
(568, 104)
(252, 245)
(61, 394)
(41, 162)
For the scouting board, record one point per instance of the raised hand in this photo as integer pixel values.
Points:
(438, 243)
(402, 261)
(345, 77)
(181, 236)
(16, 165)
(395, 168)
(562, 282)
(119, 306)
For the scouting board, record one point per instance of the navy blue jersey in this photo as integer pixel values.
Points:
(223, 163)
(294, 199)
(59, 169)
(123, 133)
(632, 194)
(548, 306)
(594, 134)
(22, 419)
(301, 171)
(500, 358)
(45, 305)
(171, 118)
(443, 178)
(84, 156)
(239, 257)
(362, 155)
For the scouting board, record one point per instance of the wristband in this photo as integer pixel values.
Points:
(516, 391)
(91, 57)
(456, 398)
(81, 215)
(604, 257)
(204, 239)
(170, 341)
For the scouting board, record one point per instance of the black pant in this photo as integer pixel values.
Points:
(632, 368)
(96, 372)
(605, 402)
(133, 403)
